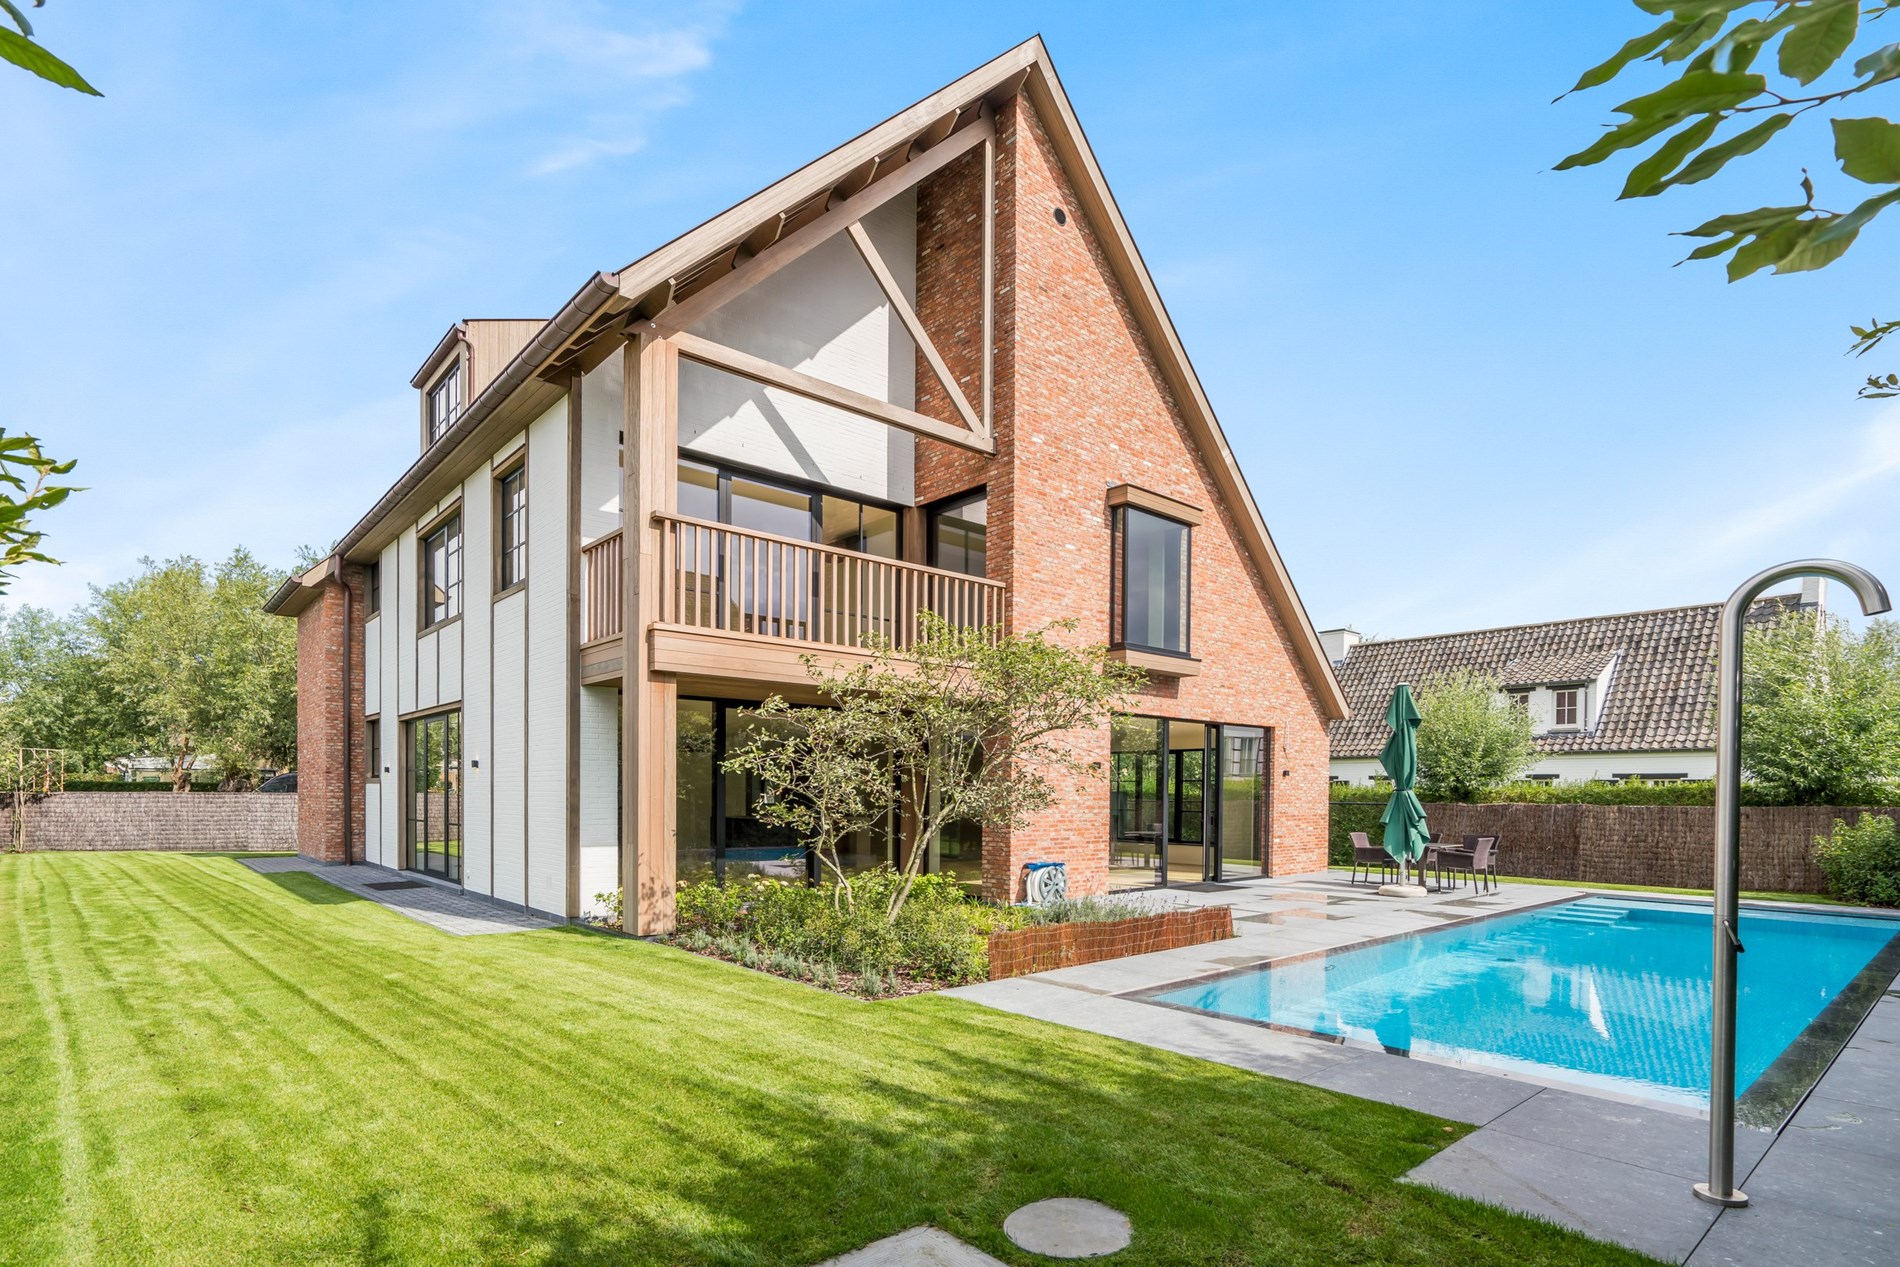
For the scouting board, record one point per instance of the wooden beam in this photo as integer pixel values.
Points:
(696, 348)
(795, 244)
(908, 315)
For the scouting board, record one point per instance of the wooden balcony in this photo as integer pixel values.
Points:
(734, 603)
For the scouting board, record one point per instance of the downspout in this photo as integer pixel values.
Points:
(349, 729)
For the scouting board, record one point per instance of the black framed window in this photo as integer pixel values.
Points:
(434, 762)
(786, 508)
(511, 529)
(442, 572)
(373, 748)
(959, 534)
(1150, 582)
(373, 587)
(445, 402)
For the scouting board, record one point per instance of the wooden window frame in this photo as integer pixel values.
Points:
(425, 621)
(502, 586)
(1557, 695)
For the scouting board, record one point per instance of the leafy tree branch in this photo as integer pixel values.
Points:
(18, 47)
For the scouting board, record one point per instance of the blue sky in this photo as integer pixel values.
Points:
(219, 278)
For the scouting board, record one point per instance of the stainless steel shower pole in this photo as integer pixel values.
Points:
(1720, 1188)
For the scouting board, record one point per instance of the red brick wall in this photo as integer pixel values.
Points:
(1017, 951)
(1081, 405)
(321, 723)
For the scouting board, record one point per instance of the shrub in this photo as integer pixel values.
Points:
(1862, 861)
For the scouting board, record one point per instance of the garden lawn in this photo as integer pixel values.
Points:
(201, 1065)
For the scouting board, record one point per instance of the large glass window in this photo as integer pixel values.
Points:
(445, 402)
(1151, 581)
(695, 773)
(1243, 801)
(435, 795)
(959, 534)
(1136, 800)
(511, 529)
(1169, 821)
(442, 572)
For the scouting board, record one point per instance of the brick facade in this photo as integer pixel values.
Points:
(1080, 405)
(1017, 952)
(322, 723)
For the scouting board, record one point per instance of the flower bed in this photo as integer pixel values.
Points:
(1018, 951)
(844, 939)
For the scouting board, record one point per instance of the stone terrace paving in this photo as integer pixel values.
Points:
(1825, 1190)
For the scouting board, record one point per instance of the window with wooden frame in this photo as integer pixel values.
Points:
(511, 529)
(1150, 607)
(441, 590)
(445, 401)
(1569, 707)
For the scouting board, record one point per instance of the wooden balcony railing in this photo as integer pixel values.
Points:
(715, 576)
(600, 587)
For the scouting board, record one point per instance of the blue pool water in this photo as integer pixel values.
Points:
(1600, 991)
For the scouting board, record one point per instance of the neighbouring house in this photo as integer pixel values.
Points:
(928, 370)
(1610, 697)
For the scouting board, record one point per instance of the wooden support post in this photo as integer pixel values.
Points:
(648, 699)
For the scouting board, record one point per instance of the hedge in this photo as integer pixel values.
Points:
(1530, 792)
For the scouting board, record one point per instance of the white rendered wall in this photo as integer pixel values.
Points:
(599, 795)
(546, 663)
(507, 758)
(823, 314)
(1572, 767)
(603, 415)
(464, 678)
(389, 838)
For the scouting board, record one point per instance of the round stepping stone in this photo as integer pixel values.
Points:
(1069, 1227)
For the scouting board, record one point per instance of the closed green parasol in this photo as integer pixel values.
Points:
(1404, 818)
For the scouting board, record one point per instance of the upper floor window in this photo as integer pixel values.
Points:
(373, 587)
(511, 529)
(1521, 701)
(445, 402)
(1149, 585)
(1569, 707)
(442, 572)
(959, 534)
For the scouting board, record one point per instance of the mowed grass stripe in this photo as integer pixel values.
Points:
(317, 1079)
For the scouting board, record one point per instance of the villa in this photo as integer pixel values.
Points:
(928, 371)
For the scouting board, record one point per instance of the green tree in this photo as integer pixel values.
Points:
(20, 461)
(1821, 711)
(199, 666)
(18, 47)
(967, 725)
(1727, 101)
(1470, 738)
(52, 692)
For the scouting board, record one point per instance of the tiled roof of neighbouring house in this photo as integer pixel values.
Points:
(1662, 689)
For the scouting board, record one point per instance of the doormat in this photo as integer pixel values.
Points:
(387, 885)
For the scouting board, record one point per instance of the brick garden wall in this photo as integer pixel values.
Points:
(1018, 951)
(163, 821)
(1081, 404)
(1667, 845)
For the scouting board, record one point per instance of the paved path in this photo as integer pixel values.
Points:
(1615, 1170)
(439, 906)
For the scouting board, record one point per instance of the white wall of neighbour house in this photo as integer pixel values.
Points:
(546, 661)
(1571, 767)
(824, 315)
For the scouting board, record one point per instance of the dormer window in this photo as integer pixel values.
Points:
(445, 402)
(1568, 706)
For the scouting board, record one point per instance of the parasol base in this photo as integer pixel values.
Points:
(1402, 890)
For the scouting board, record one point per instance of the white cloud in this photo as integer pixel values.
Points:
(582, 151)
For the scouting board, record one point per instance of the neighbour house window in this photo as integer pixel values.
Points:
(373, 587)
(445, 402)
(959, 534)
(1567, 709)
(1521, 700)
(511, 529)
(442, 572)
(1149, 584)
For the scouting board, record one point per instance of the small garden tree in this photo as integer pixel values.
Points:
(1821, 711)
(963, 725)
(1470, 738)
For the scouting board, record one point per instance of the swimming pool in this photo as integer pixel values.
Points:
(1601, 992)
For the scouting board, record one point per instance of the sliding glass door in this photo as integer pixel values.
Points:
(1243, 803)
(1187, 802)
(435, 795)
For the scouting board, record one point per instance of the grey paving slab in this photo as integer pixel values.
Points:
(1673, 1143)
(1609, 1200)
(1866, 1073)
(917, 1247)
(444, 909)
(1069, 1227)
(1812, 1171)
(1442, 1090)
(1872, 1130)
(1789, 1236)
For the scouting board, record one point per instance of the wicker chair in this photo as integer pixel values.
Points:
(1368, 855)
